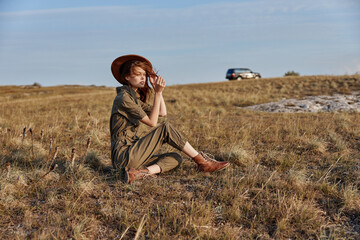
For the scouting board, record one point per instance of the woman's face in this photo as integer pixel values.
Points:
(137, 78)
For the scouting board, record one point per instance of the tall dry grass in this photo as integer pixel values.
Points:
(293, 176)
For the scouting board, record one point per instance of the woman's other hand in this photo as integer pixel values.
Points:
(159, 84)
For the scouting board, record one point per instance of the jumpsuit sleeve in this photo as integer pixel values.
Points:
(129, 109)
(146, 107)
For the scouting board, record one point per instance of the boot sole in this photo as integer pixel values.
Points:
(220, 169)
(226, 166)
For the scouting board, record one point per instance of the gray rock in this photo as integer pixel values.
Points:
(335, 103)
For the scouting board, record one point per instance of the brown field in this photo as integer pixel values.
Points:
(293, 176)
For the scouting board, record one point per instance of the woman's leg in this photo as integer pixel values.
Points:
(164, 162)
(189, 150)
(204, 162)
(154, 169)
(140, 153)
(159, 163)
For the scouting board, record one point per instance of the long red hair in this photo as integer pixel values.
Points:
(127, 69)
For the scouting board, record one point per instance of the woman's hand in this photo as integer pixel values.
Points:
(159, 108)
(159, 84)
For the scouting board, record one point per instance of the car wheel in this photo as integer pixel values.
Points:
(257, 77)
(238, 78)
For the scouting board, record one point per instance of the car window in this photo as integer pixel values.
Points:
(238, 70)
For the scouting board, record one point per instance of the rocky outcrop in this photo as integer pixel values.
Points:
(337, 102)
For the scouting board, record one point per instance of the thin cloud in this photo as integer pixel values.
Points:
(63, 11)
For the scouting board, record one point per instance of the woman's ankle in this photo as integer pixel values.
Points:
(154, 169)
(189, 150)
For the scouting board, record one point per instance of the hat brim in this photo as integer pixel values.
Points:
(118, 62)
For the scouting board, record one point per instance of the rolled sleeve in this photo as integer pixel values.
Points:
(146, 107)
(128, 108)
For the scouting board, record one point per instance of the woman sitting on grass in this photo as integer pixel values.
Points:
(135, 156)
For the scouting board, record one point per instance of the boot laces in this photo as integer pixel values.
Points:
(143, 174)
(208, 157)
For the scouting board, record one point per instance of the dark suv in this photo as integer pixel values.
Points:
(241, 73)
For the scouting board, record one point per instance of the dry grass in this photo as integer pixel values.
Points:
(293, 176)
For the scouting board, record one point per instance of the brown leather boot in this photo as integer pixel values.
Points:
(207, 164)
(135, 174)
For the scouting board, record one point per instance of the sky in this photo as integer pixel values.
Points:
(189, 41)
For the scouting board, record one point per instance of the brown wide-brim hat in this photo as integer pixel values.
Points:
(118, 63)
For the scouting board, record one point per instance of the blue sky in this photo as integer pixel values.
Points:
(74, 41)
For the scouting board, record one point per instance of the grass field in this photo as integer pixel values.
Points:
(293, 176)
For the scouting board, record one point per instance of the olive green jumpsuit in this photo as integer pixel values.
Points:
(130, 151)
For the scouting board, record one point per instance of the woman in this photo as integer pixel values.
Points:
(135, 156)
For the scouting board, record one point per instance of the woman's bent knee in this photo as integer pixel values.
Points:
(169, 161)
(176, 156)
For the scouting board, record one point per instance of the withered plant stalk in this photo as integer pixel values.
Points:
(87, 146)
(73, 156)
(8, 167)
(54, 157)
(32, 142)
(23, 135)
(41, 135)
(51, 169)
(50, 147)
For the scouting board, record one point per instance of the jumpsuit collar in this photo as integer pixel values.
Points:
(128, 89)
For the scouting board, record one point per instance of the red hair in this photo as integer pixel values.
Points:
(127, 69)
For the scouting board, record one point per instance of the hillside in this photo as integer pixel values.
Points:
(293, 175)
